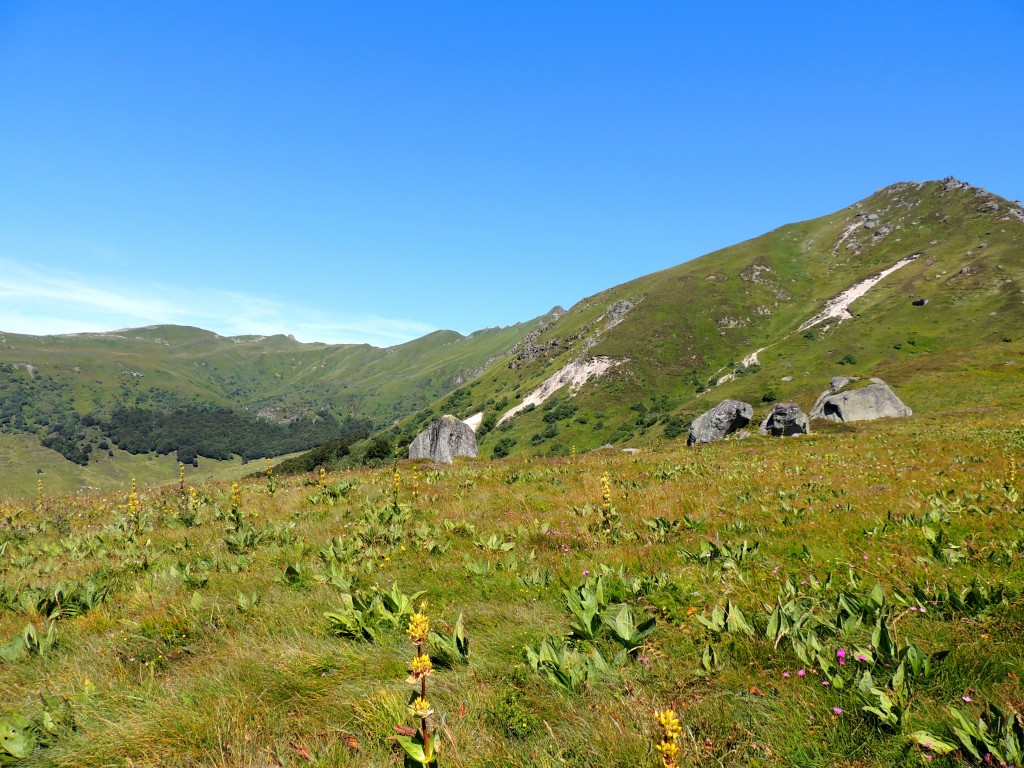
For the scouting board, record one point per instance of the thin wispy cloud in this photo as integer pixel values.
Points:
(37, 303)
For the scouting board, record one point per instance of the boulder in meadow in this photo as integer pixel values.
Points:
(784, 420)
(874, 401)
(443, 440)
(724, 419)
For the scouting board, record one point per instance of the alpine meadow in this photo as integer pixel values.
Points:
(215, 550)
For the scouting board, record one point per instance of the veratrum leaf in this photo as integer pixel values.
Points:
(709, 660)
(932, 743)
(16, 736)
(413, 746)
(736, 622)
(13, 651)
(626, 631)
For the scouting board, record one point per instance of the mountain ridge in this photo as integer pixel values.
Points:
(731, 323)
(690, 326)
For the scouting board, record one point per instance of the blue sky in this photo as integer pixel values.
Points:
(370, 172)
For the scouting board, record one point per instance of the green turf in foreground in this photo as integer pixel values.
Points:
(206, 644)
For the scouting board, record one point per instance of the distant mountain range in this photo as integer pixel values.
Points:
(921, 284)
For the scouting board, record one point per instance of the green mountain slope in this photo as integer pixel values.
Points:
(680, 336)
(63, 390)
(630, 365)
(285, 377)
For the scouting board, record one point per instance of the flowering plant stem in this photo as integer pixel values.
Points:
(418, 747)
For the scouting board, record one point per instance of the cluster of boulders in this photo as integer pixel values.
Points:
(844, 400)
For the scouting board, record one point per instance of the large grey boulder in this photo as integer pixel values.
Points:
(723, 419)
(838, 382)
(785, 419)
(835, 384)
(443, 440)
(875, 401)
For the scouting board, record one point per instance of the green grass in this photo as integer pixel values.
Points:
(173, 669)
(23, 461)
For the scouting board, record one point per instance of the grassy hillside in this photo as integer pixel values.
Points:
(62, 390)
(837, 599)
(23, 462)
(169, 364)
(729, 324)
(688, 329)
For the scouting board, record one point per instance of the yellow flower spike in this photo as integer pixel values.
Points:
(419, 668)
(669, 722)
(419, 627)
(671, 728)
(421, 708)
(606, 491)
(133, 500)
